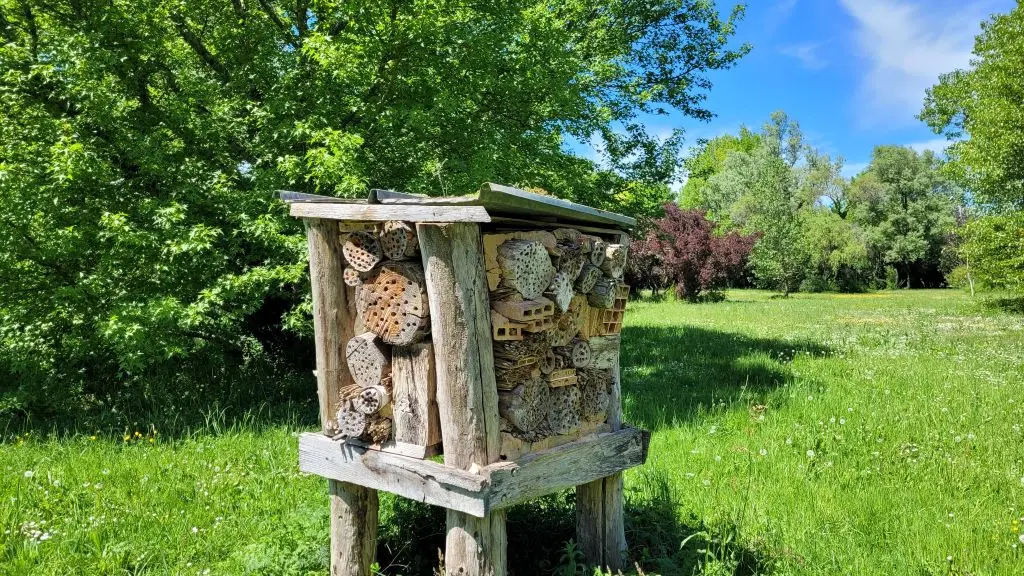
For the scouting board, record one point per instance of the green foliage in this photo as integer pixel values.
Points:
(982, 104)
(993, 251)
(141, 144)
(708, 160)
(837, 253)
(906, 206)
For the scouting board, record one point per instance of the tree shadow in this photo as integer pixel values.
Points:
(671, 373)
(1008, 304)
(660, 540)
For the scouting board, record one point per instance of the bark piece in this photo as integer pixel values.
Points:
(368, 361)
(614, 260)
(362, 251)
(525, 266)
(563, 409)
(398, 240)
(392, 303)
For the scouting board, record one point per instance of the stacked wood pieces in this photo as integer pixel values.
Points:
(555, 316)
(393, 402)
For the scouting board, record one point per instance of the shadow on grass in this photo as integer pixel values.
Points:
(1010, 305)
(671, 373)
(412, 534)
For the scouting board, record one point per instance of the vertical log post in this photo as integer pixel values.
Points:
(600, 527)
(466, 391)
(353, 508)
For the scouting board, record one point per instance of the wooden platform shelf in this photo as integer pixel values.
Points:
(467, 356)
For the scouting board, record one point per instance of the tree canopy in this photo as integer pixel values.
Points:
(982, 106)
(141, 144)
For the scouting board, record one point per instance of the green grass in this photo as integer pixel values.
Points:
(820, 434)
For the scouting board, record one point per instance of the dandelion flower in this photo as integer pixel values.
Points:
(195, 530)
(93, 438)
(810, 453)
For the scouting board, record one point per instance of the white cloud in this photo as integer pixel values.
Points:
(851, 170)
(908, 45)
(808, 53)
(937, 145)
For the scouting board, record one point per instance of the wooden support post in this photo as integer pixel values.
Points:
(466, 390)
(353, 508)
(600, 529)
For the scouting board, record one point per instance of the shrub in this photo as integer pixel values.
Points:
(994, 251)
(682, 249)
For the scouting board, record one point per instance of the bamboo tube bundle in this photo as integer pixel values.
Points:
(588, 276)
(595, 389)
(525, 406)
(392, 303)
(398, 240)
(378, 429)
(368, 361)
(525, 266)
(603, 293)
(614, 260)
(563, 414)
(362, 251)
(560, 290)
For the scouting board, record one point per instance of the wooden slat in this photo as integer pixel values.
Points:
(384, 212)
(477, 493)
(421, 480)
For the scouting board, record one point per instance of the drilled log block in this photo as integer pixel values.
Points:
(398, 240)
(577, 353)
(563, 330)
(560, 291)
(571, 258)
(362, 251)
(392, 303)
(595, 388)
(371, 400)
(588, 276)
(525, 266)
(594, 247)
(563, 409)
(602, 295)
(614, 260)
(525, 407)
(368, 361)
(547, 363)
(352, 277)
(351, 423)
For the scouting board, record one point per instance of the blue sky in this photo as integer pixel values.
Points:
(852, 72)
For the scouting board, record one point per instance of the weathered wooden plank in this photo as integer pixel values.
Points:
(414, 381)
(421, 480)
(467, 394)
(565, 466)
(353, 507)
(384, 212)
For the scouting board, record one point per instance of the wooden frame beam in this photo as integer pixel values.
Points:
(494, 487)
(384, 212)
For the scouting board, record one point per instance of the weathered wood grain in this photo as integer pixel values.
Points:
(385, 212)
(414, 381)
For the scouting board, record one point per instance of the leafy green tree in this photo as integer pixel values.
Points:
(983, 104)
(708, 160)
(836, 251)
(993, 251)
(906, 206)
(141, 143)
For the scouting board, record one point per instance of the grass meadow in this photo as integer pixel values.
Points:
(878, 433)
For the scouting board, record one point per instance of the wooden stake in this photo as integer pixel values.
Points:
(466, 390)
(353, 508)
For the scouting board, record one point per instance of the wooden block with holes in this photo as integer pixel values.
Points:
(478, 327)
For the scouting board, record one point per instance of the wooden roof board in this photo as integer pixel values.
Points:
(498, 200)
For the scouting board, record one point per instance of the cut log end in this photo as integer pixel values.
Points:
(368, 361)
(362, 251)
(392, 303)
(563, 409)
(371, 400)
(525, 266)
(525, 407)
(398, 240)
(351, 423)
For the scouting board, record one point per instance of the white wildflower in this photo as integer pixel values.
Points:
(763, 452)
(810, 453)
(29, 473)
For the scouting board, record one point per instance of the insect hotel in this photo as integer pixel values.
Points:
(467, 356)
